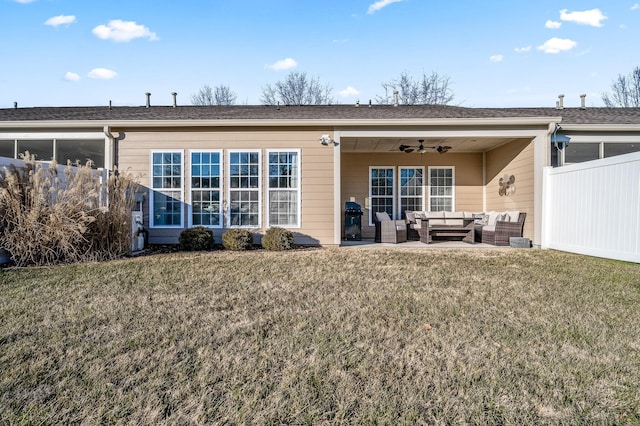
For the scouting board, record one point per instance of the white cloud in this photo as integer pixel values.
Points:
(71, 76)
(60, 20)
(349, 91)
(557, 45)
(118, 30)
(374, 7)
(283, 64)
(496, 58)
(593, 17)
(102, 74)
(635, 6)
(554, 25)
(522, 49)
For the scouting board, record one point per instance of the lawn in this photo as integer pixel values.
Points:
(330, 336)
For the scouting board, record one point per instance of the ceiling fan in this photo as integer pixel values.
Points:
(421, 149)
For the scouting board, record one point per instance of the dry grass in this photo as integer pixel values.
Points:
(323, 336)
(51, 214)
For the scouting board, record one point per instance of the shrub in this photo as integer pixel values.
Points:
(237, 239)
(196, 238)
(277, 239)
(54, 214)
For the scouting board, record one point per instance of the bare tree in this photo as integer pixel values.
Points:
(220, 95)
(297, 89)
(625, 91)
(431, 89)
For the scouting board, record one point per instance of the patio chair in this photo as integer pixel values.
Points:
(389, 230)
(503, 230)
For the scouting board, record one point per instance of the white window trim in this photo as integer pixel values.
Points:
(298, 192)
(400, 196)
(229, 189)
(393, 189)
(220, 188)
(152, 189)
(453, 186)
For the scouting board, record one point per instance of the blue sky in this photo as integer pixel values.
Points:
(496, 53)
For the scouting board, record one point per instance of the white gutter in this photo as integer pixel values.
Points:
(601, 127)
(511, 121)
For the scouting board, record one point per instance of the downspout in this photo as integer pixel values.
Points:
(111, 148)
(544, 214)
(553, 127)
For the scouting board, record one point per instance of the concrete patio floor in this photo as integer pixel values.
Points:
(419, 245)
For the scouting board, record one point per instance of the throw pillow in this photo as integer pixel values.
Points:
(481, 219)
(382, 216)
(504, 217)
(411, 216)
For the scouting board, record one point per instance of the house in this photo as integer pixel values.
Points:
(296, 166)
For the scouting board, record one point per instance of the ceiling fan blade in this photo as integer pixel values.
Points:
(408, 150)
(403, 147)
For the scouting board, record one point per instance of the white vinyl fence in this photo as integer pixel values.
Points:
(593, 208)
(102, 173)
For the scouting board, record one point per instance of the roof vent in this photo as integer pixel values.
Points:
(148, 95)
(560, 103)
(358, 103)
(395, 98)
(109, 104)
(583, 103)
(369, 103)
(175, 99)
(15, 105)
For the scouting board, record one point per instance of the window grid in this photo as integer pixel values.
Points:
(381, 191)
(441, 189)
(283, 188)
(206, 177)
(166, 182)
(411, 181)
(244, 189)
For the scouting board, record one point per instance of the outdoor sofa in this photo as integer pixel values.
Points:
(488, 227)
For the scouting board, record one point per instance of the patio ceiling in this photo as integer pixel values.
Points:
(391, 144)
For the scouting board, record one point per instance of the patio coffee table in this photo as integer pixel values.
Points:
(467, 231)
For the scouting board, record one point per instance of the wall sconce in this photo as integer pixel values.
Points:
(326, 140)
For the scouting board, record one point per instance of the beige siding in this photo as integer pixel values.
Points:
(514, 158)
(355, 177)
(317, 200)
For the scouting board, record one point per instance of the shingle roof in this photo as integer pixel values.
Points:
(328, 112)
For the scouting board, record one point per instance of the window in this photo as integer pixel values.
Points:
(7, 148)
(411, 180)
(167, 189)
(42, 149)
(284, 188)
(381, 183)
(80, 151)
(244, 188)
(206, 180)
(576, 152)
(611, 149)
(441, 184)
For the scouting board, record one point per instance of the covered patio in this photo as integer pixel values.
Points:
(458, 166)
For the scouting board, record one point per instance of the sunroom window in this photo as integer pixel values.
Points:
(411, 181)
(381, 191)
(244, 188)
(441, 189)
(206, 180)
(167, 189)
(284, 188)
